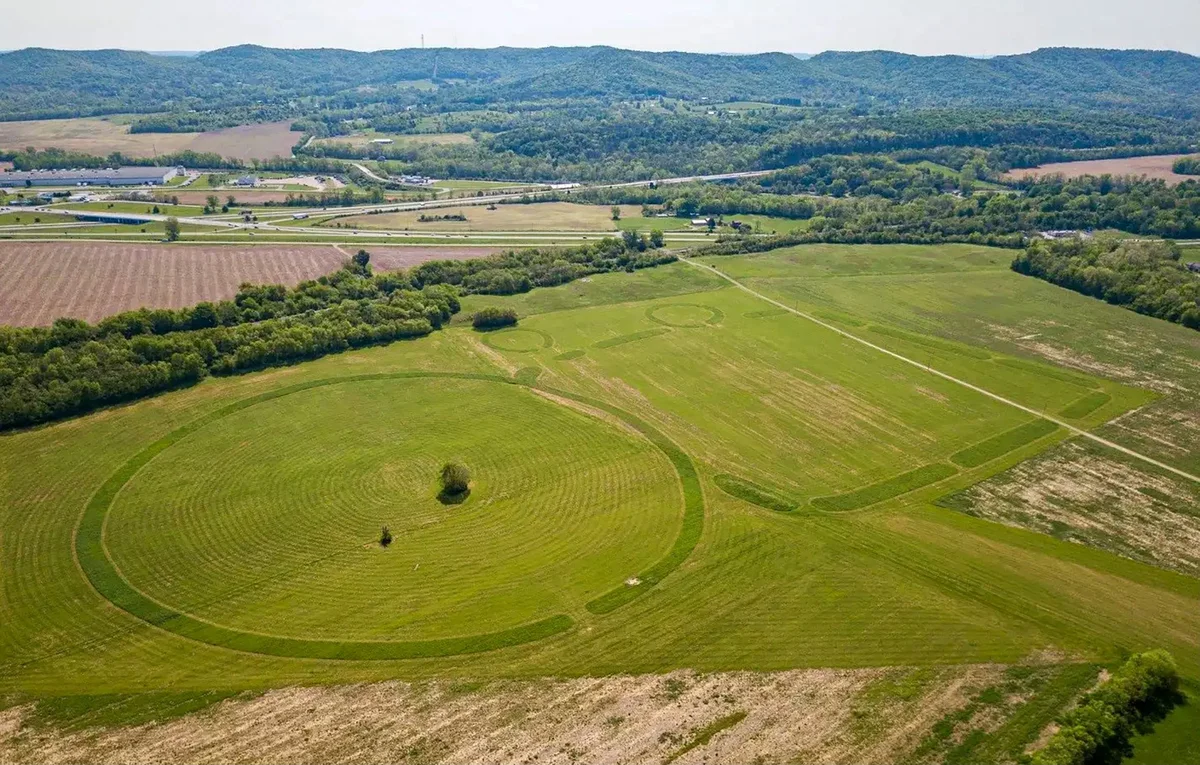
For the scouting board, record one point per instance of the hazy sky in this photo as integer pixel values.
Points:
(975, 27)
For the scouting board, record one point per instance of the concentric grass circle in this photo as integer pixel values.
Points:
(353, 518)
(518, 340)
(685, 315)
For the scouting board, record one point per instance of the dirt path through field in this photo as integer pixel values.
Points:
(944, 376)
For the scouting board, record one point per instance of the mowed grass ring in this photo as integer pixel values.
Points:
(261, 535)
(685, 315)
(518, 340)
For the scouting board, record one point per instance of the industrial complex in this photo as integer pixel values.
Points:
(120, 176)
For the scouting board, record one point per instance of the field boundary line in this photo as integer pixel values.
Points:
(971, 386)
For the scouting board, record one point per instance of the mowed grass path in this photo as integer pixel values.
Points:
(771, 399)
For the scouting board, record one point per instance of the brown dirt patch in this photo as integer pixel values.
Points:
(42, 281)
(271, 139)
(800, 715)
(1158, 166)
(243, 197)
(542, 216)
(1085, 496)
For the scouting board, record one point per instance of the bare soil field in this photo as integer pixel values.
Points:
(545, 216)
(272, 139)
(40, 282)
(255, 197)
(1082, 494)
(104, 136)
(1152, 167)
(808, 716)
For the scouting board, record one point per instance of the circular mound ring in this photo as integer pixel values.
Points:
(715, 315)
(107, 580)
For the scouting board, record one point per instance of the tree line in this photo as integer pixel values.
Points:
(1145, 276)
(72, 367)
(1187, 166)
(1140, 206)
(1097, 729)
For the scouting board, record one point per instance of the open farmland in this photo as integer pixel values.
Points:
(42, 281)
(818, 715)
(543, 216)
(1159, 166)
(104, 136)
(687, 503)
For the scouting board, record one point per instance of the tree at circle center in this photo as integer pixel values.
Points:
(455, 483)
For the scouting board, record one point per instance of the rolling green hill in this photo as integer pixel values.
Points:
(45, 83)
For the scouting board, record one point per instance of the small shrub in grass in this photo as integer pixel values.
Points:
(385, 537)
(456, 483)
(1141, 692)
(494, 318)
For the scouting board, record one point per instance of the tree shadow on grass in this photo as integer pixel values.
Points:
(1153, 711)
(453, 498)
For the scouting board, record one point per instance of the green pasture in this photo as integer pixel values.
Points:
(670, 473)
(147, 208)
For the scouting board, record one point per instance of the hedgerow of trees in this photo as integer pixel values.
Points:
(1145, 276)
(494, 317)
(1099, 727)
(72, 367)
(1135, 205)
(1187, 166)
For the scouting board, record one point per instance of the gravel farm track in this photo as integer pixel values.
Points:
(40, 282)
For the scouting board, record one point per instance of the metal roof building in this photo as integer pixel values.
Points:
(121, 176)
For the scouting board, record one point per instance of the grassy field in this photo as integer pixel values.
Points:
(138, 207)
(804, 533)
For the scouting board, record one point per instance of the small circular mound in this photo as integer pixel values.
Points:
(518, 340)
(685, 315)
(266, 521)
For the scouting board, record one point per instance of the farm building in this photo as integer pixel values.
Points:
(246, 180)
(121, 176)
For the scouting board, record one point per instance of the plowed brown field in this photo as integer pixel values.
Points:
(1158, 166)
(40, 282)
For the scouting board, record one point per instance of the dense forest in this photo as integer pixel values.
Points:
(72, 367)
(41, 83)
(659, 139)
(1188, 166)
(1145, 276)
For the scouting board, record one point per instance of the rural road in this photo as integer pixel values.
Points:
(366, 171)
(943, 375)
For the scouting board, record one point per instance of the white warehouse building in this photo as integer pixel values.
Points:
(120, 176)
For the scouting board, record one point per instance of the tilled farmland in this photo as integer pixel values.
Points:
(40, 282)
